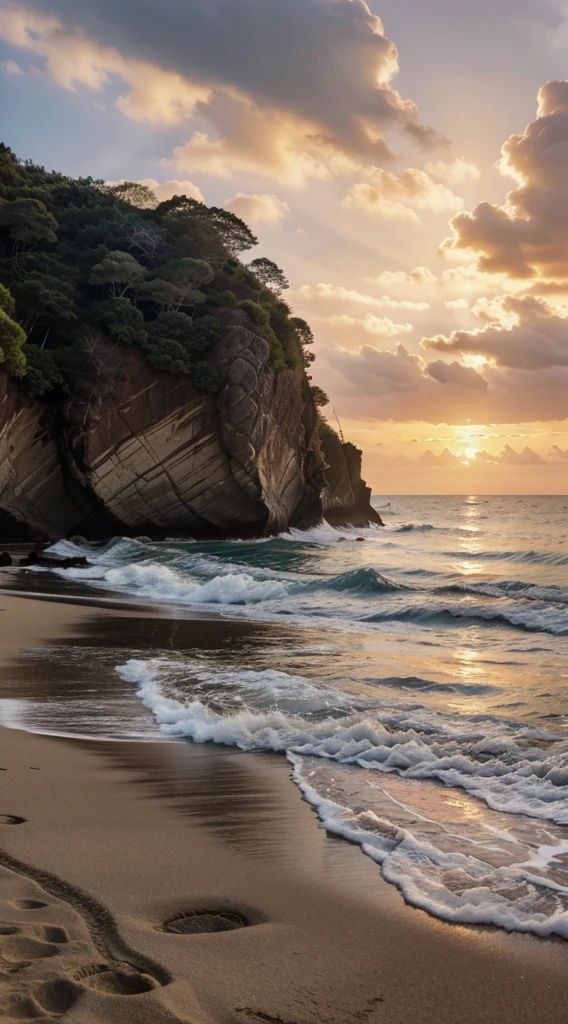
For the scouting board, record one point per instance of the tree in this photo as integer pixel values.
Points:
(7, 301)
(42, 372)
(122, 320)
(44, 299)
(193, 335)
(182, 278)
(119, 270)
(206, 378)
(319, 396)
(269, 275)
(303, 330)
(28, 221)
(12, 338)
(132, 192)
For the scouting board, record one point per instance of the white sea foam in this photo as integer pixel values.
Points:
(510, 767)
(492, 868)
(498, 880)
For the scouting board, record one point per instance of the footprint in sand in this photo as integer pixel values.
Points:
(57, 944)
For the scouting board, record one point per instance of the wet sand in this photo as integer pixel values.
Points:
(119, 838)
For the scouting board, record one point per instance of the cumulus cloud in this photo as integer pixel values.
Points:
(331, 292)
(456, 304)
(455, 373)
(399, 197)
(525, 239)
(224, 62)
(399, 385)
(386, 327)
(538, 338)
(173, 187)
(455, 173)
(258, 208)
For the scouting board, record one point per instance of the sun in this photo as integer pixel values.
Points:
(470, 453)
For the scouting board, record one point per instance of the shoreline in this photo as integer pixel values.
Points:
(145, 831)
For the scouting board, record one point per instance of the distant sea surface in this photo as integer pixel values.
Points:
(416, 680)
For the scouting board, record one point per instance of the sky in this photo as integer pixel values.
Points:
(405, 163)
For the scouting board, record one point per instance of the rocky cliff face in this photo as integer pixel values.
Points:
(160, 457)
(346, 497)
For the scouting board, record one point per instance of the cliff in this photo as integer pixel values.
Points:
(158, 456)
(345, 497)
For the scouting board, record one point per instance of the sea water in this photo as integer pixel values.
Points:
(421, 699)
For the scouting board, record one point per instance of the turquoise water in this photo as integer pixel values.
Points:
(416, 679)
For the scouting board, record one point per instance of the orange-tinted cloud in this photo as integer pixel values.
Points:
(228, 67)
(525, 238)
(538, 339)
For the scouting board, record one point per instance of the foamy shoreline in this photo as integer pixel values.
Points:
(144, 831)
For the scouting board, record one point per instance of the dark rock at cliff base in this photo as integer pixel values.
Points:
(5, 559)
(37, 558)
(346, 497)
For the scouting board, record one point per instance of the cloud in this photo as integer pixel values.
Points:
(558, 453)
(448, 459)
(173, 187)
(10, 69)
(454, 173)
(528, 457)
(398, 197)
(525, 239)
(455, 373)
(398, 385)
(258, 209)
(372, 324)
(456, 304)
(301, 79)
(331, 292)
(166, 189)
(538, 338)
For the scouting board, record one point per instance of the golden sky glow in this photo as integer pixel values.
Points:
(422, 219)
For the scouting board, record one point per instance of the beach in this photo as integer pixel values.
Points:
(120, 838)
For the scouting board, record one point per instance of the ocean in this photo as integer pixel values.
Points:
(414, 676)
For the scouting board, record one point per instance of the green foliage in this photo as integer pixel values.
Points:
(257, 313)
(205, 377)
(168, 354)
(12, 338)
(268, 275)
(42, 371)
(124, 323)
(303, 330)
(7, 301)
(119, 270)
(87, 267)
(193, 335)
(28, 221)
(319, 396)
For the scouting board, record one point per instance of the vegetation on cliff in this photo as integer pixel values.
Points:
(86, 268)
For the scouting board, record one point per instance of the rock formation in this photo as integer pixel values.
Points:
(160, 457)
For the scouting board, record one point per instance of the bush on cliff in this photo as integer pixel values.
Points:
(86, 268)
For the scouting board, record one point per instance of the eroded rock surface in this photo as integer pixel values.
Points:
(157, 456)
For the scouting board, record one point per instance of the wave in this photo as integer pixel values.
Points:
(362, 582)
(549, 558)
(496, 760)
(351, 761)
(529, 616)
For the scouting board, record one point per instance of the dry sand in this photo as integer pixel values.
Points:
(102, 844)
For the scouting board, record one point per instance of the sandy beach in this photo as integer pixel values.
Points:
(105, 844)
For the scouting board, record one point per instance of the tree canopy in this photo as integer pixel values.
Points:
(86, 268)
